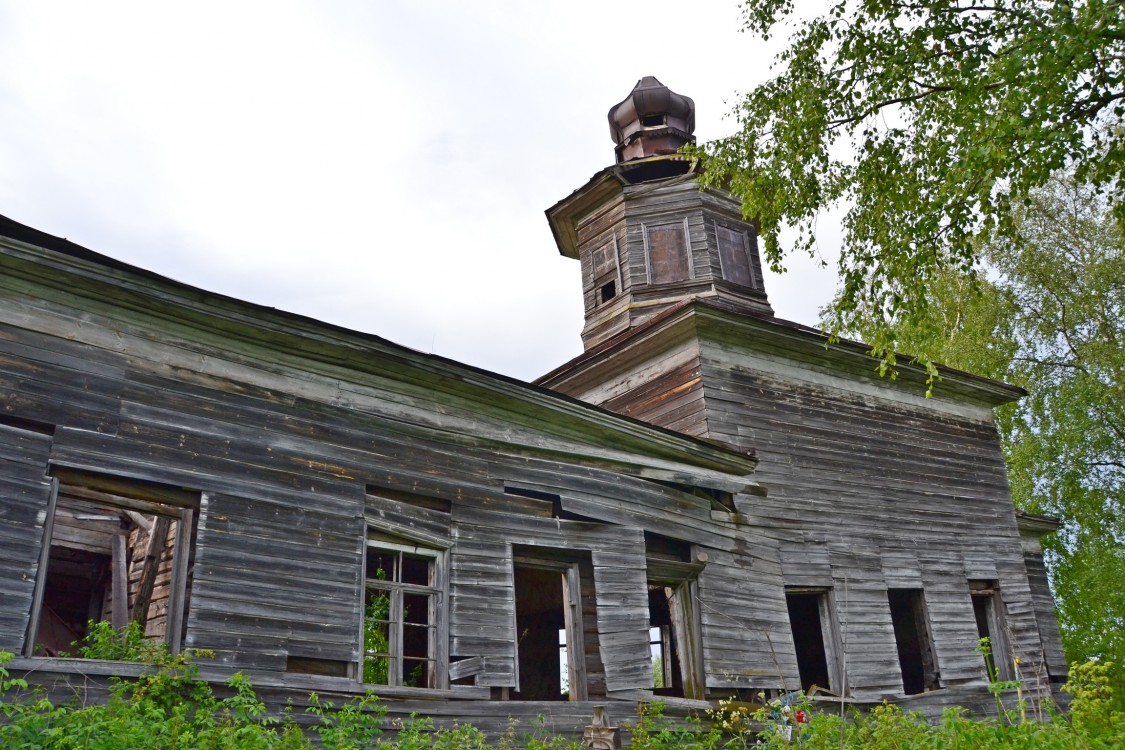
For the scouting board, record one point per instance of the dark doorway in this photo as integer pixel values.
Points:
(912, 637)
(988, 610)
(540, 619)
(808, 639)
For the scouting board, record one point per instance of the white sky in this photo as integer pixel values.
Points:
(379, 165)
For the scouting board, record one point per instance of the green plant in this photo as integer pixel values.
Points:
(356, 725)
(103, 641)
(655, 731)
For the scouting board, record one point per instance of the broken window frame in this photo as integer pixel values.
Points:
(129, 497)
(829, 635)
(989, 610)
(927, 653)
(570, 581)
(680, 583)
(436, 594)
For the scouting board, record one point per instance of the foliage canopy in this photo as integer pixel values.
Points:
(930, 121)
(1049, 315)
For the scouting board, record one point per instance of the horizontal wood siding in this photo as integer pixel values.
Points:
(622, 613)
(1044, 605)
(746, 638)
(25, 491)
(276, 579)
(482, 613)
(909, 495)
(867, 635)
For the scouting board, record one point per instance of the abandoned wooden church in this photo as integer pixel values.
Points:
(709, 502)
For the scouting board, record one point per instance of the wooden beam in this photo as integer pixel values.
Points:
(120, 579)
(158, 535)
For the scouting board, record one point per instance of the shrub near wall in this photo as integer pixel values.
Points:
(172, 709)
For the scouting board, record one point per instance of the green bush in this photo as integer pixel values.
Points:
(172, 708)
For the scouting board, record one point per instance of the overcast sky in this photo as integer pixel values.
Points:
(379, 165)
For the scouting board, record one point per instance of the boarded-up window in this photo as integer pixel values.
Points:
(734, 256)
(667, 249)
(119, 551)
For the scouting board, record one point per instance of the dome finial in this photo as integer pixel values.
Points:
(652, 120)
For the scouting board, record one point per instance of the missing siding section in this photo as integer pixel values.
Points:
(409, 498)
(720, 500)
(814, 639)
(913, 640)
(549, 497)
(30, 425)
(323, 667)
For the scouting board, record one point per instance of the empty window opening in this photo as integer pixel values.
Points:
(912, 638)
(667, 671)
(674, 628)
(549, 650)
(653, 121)
(118, 551)
(605, 273)
(608, 291)
(811, 623)
(401, 607)
(988, 608)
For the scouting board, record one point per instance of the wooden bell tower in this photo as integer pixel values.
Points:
(647, 237)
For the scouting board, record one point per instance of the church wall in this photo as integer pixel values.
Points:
(291, 467)
(900, 491)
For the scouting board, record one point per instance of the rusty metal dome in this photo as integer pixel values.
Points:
(651, 121)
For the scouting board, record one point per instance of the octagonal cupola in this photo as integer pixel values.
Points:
(647, 237)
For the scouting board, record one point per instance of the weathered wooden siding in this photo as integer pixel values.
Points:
(746, 639)
(277, 577)
(25, 490)
(1044, 604)
(908, 493)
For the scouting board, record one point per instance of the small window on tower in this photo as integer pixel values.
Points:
(653, 121)
(604, 272)
(608, 291)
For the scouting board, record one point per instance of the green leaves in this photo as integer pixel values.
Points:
(924, 120)
(1047, 312)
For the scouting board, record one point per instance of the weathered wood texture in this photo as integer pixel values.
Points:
(1044, 604)
(24, 492)
(880, 474)
(294, 442)
(667, 245)
(871, 486)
